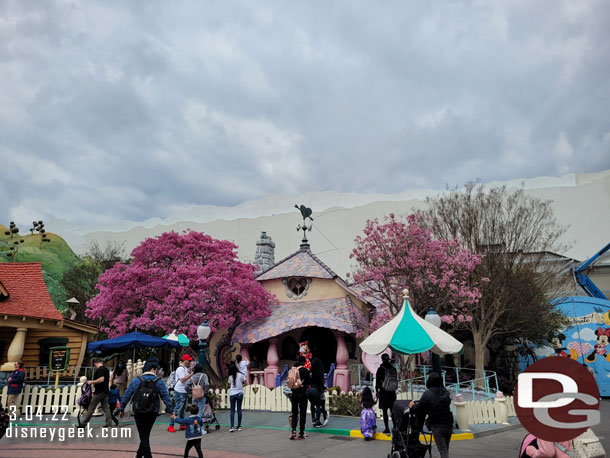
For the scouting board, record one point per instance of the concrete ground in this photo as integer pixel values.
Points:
(264, 435)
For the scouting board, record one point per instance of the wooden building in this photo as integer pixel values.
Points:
(30, 323)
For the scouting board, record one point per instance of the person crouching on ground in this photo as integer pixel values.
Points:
(146, 408)
(193, 431)
(436, 403)
(368, 421)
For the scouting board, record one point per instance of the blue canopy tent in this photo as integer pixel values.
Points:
(130, 341)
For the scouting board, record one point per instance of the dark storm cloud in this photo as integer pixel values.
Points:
(128, 110)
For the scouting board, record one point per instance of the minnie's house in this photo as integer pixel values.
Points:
(315, 305)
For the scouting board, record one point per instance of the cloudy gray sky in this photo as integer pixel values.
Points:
(128, 110)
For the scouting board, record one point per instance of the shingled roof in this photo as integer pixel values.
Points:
(302, 263)
(338, 313)
(27, 292)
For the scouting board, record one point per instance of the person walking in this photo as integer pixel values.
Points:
(101, 377)
(368, 421)
(15, 384)
(193, 431)
(119, 377)
(180, 394)
(436, 403)
(314, 392)
(386, 384)
(114, 398)
(236, 395)
(201, 381)
(298, 380)
(144, 393)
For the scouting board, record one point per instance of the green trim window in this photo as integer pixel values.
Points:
(45, 346)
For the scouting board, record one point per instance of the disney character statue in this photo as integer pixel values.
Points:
(304, 351)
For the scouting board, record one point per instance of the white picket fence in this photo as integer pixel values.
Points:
(48, 400)
(256, 397)
(480, 412)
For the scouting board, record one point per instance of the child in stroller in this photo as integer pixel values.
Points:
(208, 416)
(406, 431)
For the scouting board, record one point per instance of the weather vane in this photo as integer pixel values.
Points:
(305, 213)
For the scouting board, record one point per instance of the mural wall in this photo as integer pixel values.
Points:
(586, 340)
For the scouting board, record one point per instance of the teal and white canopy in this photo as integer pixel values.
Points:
(408, 333)
(180, 338)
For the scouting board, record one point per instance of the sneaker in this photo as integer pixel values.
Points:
(182, 428)
(317, 424)
(171, 429)
(239, 428)
(204, 432)
(326, 417)
(293, 435)
(231, 430)
(387, 432)
(302, 437)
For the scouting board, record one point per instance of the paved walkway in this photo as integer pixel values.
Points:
(269, 438)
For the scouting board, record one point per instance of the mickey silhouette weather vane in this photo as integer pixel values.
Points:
(305, 213)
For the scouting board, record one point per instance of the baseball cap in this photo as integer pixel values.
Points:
(187, 358)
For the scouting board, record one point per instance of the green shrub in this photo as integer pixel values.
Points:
(345, 405)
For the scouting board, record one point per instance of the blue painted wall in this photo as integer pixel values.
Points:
(587, 316)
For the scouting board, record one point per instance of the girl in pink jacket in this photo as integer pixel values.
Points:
(550, 450)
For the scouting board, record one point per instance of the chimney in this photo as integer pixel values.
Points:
(264, 258)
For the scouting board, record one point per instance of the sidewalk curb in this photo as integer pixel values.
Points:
(498, 430)
(422, 437)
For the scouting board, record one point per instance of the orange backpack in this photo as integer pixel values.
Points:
(293, 381)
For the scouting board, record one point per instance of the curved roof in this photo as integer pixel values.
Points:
(339, 313)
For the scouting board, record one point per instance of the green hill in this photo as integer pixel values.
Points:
(55, 256)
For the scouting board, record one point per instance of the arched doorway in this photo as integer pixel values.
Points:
(322, 343)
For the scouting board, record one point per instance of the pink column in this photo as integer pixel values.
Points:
(273, 359)
(342, 375)
(245, 354)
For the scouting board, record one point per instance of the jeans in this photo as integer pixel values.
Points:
(193, 443)
(144, 423)
(201, 404)
(314, 397)
(299, 409)
(236, 400)
(442, 436)
(180, 406)
(95, 400)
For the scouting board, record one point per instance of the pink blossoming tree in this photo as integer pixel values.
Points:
(398, 254)
(174, 282)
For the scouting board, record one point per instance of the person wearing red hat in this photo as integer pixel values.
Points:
(180, 394)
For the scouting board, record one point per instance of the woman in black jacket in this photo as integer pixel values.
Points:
(436, 403)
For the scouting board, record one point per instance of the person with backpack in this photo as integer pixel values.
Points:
(144, 393)
(386, 384)
(101, 377)
(236, 394)
(314, 392)
(193, 431)
(197, 386)
(436, 403)
(15, 384)
(298, 380)
(180, 395)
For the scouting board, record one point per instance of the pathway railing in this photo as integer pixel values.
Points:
(456, 379)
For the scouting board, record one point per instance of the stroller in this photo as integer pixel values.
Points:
(4, 421)
(405, 434)
(208, 415)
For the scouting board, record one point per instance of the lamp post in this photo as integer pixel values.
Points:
(203, 332)
(434, 319)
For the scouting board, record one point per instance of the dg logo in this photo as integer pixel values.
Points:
(557, 399)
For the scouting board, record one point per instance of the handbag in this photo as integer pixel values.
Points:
(587, 445)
